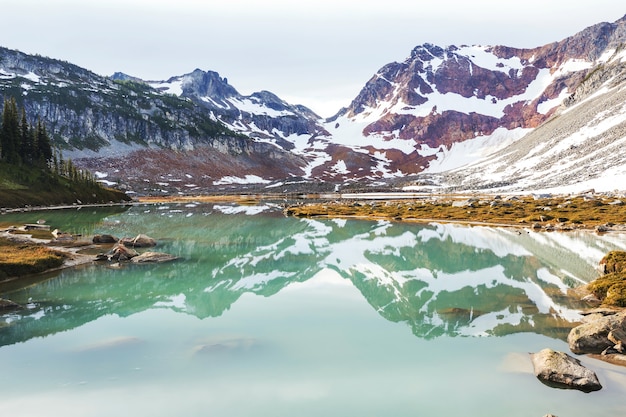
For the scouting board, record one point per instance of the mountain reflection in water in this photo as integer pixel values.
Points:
(439, 279)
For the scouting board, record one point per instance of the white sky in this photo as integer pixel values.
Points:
(318, 53)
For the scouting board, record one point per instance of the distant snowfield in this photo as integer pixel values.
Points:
(248, 179)
(171, 87)
(250, 106)
(473, 150)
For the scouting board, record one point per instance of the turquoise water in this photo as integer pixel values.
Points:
(273, 316)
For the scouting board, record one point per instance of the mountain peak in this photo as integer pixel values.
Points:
(120, 76)
(427, 52)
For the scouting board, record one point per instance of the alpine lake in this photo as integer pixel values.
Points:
(267, 315)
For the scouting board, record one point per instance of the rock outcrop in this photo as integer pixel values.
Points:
(139, 241)
(124, 250)
(122, 253)
(558, 369)
(593, 336)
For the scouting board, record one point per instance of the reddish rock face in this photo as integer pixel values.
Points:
(520, 88)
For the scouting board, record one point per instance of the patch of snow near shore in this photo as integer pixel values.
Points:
(612, 180)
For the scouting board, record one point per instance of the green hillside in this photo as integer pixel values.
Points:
(32, 173)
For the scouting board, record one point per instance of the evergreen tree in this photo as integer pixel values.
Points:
(44, 148)
(10, 133)
(23, 144)
(26, 140)
(55, 162)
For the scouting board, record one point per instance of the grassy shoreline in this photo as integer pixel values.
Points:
(19, 258)
(549, 213)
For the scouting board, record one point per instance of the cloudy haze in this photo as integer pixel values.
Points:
(317, 53)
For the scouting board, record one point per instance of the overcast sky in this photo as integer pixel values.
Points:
(318, 53)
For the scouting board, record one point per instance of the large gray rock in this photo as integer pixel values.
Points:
(559, 370)
(153, 257)
(139, 241)
(121, 253)
(593, 336)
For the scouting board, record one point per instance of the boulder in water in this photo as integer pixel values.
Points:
(559, 370)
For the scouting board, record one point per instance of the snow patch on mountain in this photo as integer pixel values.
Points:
(488, 105)
(348, 132)
(582, 147)
(483, 57)
(248, 179)
(255, 106)
(174, 86)
(472, 150)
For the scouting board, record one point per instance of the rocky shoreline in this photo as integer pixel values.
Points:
(110, 251)
(601, 335)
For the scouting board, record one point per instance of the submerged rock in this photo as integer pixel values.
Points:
(559, 370)
(140, 241)
(103, 239)
(153, 257)
(8, 305)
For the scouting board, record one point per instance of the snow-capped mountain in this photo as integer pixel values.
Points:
(132, 134)
(487, 117)
(582, 147)
(443, 108)
(265, 117)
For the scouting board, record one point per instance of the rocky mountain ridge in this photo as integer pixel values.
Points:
(439, 97)
(441, 109)
(103, 122)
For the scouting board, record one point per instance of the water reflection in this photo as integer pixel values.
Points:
(80, 220)
(438, 279)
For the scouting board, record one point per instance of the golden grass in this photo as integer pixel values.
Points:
(559, 211)
(614, 261)
(611, 288)
(19, 259)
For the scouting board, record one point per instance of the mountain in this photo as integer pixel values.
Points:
(85, 111)
(443, 108)
(261, 115)
(458, 117)
(266, 118)
(583, 146)
(130, 128)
